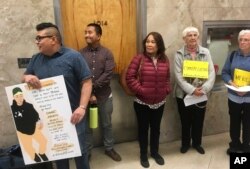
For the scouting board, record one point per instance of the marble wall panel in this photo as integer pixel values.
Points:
(241, 3)
(226, 14)
(178, 4)
(17, 33)
(218, 3)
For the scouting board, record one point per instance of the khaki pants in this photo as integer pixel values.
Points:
(26, 141)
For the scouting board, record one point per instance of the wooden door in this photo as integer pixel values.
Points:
(118, 21)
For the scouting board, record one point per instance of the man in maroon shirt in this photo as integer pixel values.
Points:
(101, 64)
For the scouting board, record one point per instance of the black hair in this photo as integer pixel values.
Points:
(98, 28)
(159, 42)
(47, 25)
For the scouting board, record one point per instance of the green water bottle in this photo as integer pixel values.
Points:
(93, 116)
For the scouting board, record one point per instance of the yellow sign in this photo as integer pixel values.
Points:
(195, 69)
(241, 77)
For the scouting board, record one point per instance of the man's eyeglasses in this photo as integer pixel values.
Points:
(39, 38)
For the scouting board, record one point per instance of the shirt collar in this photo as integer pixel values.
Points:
(91, 49)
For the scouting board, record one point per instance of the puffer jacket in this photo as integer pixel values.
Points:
(150, 84)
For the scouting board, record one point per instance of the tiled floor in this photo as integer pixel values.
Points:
(214, 158)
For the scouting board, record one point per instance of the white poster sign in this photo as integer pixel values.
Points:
(42, 120)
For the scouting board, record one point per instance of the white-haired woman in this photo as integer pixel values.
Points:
(238, 102)
(192, 116)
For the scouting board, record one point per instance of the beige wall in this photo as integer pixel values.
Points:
(17, 33)
(169, 17)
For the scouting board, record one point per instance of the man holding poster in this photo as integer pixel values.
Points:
(53, 60)
(195, 76)
(236, 74)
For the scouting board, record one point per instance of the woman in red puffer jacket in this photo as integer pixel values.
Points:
(148, 76)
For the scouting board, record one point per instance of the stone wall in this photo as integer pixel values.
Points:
(17, 37)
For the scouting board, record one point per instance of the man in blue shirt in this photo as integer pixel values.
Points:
(53, 60)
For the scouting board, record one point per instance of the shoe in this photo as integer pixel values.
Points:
(233, 150)
(229, 151)
(245, 148)
(44, 157)
(184, 149)
(114, 155)
(89, 156)
(37, 159)
(144, 161)
(158, 158)
(199, 149)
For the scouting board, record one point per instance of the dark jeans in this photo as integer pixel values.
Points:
(81, 162)
(147, 117)
(239, 114)
(192, 119)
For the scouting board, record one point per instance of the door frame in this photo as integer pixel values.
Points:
(141, 20)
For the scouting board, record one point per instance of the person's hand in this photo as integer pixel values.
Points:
(239, 93)
(198, 91)
(32, 81)
(77, 115)
(93, 99)
(233, 84)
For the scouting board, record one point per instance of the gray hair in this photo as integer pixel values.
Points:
(188, 30)
(243, 32)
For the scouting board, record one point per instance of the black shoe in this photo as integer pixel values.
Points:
(199, 149)
(44, 157)
(144, 161)
(158, 158)
(245, 148)
(229, 151)
(37, 159)
(233, 150)
(89, 156)
(113, 154)
(184, 149)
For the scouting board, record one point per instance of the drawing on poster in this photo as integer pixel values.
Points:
(42, 120)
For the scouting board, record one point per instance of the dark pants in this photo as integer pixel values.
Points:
(147, 117)
(192, 119)
(239, 114)
(81, 162)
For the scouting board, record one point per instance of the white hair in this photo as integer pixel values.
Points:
(243, 32)
(188, 30)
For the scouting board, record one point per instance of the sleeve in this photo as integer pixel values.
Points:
(226, 71)
(208, 85)
(131, 76)
(168, 86)
(29, 70)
